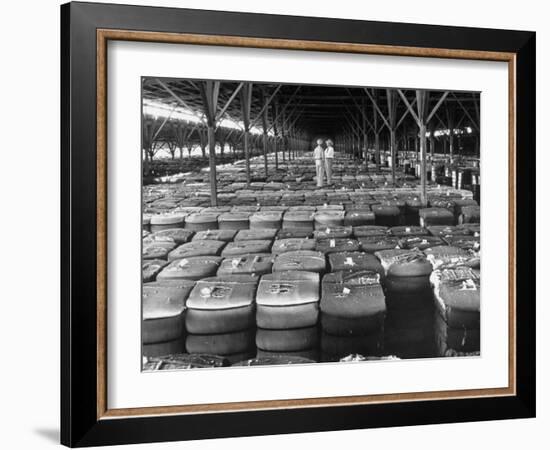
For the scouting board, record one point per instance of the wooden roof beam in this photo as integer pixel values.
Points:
(179, 99)
(382, 116)
(474, 123)
(231, 98)
(266, 104)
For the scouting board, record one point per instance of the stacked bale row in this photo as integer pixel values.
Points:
(242, 292)
(297, 174)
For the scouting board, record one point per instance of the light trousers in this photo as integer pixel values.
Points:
(320, 172)
(328, 169)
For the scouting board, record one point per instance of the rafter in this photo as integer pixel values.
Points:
(233, 95)
(266, 104)
(377, 108)
(436, 107)
(361, 109)
(179, 99)
(476, 126)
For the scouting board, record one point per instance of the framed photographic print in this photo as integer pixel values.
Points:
(275, 224)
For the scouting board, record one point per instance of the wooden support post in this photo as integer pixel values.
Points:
(392, 121)
(247, 156)
(265, 152)
(451, 145)
(422, 116)
(432, 151)
(423, 156)
(275, 116)
(246, 102)
(212, 164)
(202, 143)
(283, 136)
(147, 144)
(179, 137)
(376, 136)
(360, 137)
(432, 142)
(377, 127)
(406, 148)
(145, 162)
(264, 126)
(451, 125)
(353, 144)
(172, 149)
(346, 143)
(209, 92)
(377, 150)
(293, 145)
(393, 151)
(290, 143)
(422, 100)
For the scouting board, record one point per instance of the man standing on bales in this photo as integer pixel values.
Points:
(329, 157)
(319, 157)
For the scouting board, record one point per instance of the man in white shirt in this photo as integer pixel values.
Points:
(319, 156)
(329, 157)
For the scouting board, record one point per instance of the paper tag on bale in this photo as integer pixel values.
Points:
(468, 285)
(205, 292)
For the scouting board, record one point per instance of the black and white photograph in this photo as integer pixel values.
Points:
(258, 225)
(295, 223)
(272, 225)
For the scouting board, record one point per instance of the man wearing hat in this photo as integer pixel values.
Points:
(319, 156)
(329, 157)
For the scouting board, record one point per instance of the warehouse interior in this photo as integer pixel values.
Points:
(253, 254)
